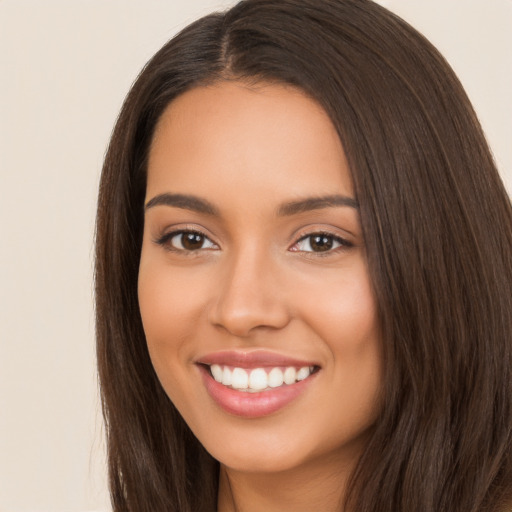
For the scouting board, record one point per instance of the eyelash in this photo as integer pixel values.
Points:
(343, 244)
(165, 240)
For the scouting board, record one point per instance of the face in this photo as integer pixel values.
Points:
(253, 285)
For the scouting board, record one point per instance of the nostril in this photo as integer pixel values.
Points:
(243, 324)
(249, 295)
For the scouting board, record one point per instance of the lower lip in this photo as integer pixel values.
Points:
(253, 405)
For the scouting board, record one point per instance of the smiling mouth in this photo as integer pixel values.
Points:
(259, 379)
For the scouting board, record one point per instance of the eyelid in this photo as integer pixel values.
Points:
(165, 238)
(344, 242)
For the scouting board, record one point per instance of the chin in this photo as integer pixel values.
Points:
(277, 448)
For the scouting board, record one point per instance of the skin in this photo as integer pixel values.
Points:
(256, 283)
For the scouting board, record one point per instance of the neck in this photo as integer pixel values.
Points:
(315, 487)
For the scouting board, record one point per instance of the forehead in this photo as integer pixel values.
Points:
(269, 137)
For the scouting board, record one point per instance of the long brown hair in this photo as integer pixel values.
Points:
(438, 229)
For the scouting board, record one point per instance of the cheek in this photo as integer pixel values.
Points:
(342, 309)
(168, 309)
(170, 302)
(170, 306)
(344, 317)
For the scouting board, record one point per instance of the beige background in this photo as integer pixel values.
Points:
(65, 67)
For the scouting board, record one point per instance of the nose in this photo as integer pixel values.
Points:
(250, 296)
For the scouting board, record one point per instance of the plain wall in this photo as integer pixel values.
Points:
(65, 68)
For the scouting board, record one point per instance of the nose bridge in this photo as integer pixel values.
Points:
(249, 296)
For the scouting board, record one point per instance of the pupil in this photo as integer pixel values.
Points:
(192, 241)
(321, 243)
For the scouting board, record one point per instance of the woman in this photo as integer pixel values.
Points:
(304, 260)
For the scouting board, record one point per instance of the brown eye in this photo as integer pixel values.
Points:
(186, 241)
(321, 242)
(191, 241)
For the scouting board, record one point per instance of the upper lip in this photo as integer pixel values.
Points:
(252, 359)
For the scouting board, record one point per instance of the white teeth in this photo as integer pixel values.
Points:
(239, 379)
(290, 375)
(275, 378)
(258, 379)
(217, 372)
(303, 373)
(226, 377)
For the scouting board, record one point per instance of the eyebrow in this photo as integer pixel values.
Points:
(316, 203)
(184, 201)
(196, 204)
